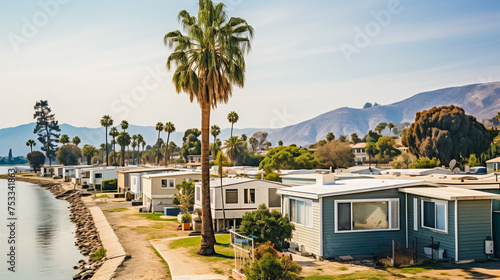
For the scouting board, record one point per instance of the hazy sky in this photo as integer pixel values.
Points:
(90, 58)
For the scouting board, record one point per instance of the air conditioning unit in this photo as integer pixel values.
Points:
(488, 247)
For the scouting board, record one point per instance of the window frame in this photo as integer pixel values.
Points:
(225, 196)
(309, 217)
(168, 184)
(446, 220)
(389, 214)
(247, 194)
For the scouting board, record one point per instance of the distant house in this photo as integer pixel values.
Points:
(125, 178)
(493, 165)
(241, 195)
(158, 190)
(54, 170)
(359, 151)
(357, 217)
(194, 161)
(307, 178)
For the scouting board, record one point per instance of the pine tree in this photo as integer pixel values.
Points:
(46, 128)
(9, 160)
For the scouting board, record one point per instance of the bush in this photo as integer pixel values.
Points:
(98, 254)
(273, 177)
(36, 159)
(274, 267)
(426, 162)
(186, 218)
(110, 185)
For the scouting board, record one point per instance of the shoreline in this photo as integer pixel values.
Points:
(88, 239)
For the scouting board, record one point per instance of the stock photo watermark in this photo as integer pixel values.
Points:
(31, 26)
(11, 220)
(363, 36)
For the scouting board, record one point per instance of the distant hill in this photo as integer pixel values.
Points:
(479, 100)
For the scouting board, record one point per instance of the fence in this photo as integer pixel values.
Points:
(244, 253)
(419, 250)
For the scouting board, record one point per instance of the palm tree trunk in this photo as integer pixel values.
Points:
(207, 230)
(158, 149)
(123, 155)
(222, 198)
(232, 129)
(167, 151)
(106, 145)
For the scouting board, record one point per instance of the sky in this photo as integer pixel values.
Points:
(92, 58)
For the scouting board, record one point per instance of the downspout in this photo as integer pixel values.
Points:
(321, 241)
(456, 230)
(406, 218)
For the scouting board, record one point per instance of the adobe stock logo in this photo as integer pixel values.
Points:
(363, 37)
(31, 27)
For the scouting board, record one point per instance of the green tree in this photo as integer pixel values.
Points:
(273, 177)
(107, 121)
(133, 144)
(289, 157)
(404, 161)
(473, 161)
(274, 267)
(234, 149)
(380, 127)
(372, 136)
(140, 141)
(233, 118)
(215, 131)
(159, 128)
(330, 136)
(46, 128)
(113, 132)
(184, 197)
(69, 154)
(253, 143)
(169, 129)
(343, 138)
(336, 154)
(446, 133)
(76, 140)
(124, 125)
(64, 139)
(371, 150)
(88, 151)
(209, 60)
(390, 126)
(267, 225)
(123, 140)
(221, 161)
(191, 144)
(36, 159)
(244, 137)
(280, 143)
(426, 162)
(31, 143)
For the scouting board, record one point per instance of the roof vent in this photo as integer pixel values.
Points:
(325, 178)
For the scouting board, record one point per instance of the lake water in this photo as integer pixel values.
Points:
(44, 235)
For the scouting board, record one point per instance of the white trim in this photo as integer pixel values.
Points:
(305, 215)
(415, 214)
(406, 218)
(321, 226)
(456, 230)
(436, 201)
(168, 183)
(389, 214)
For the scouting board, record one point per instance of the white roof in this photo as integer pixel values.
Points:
(169, 174)
(450, 193)
(351, 186)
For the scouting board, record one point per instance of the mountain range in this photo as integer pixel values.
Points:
(479, 100)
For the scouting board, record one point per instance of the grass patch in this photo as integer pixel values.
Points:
(418, 268)
(162, 260)
(343, 268)
(319, 268)
(116, 210)
(371, 274)
(103, 196)
(98, 254)
(156, 231)
(445, 273)
(156, 217)
(218, 271)
(224, 251)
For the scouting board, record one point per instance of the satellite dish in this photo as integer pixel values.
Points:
(456, 170)
(452, 164)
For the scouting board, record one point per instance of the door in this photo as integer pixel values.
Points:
(496, 233)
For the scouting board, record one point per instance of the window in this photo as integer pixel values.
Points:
(197, 194)
(274, 198)
(301, 212)
(249, 196)
(167, 183)
(231, 196)
(367, 215)
(98, 175)
(434, 215)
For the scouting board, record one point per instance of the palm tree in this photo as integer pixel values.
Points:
(169, 128)
(159, 128)
(76, 140)
(103, 146)
(123, 140)
(106, 121)
(88, 151)
(330, 136)
(113, 132)
(140, 139)
(233, 118)
(234, 147)
(209, 60)
(64, 139)
(124, 125)
(253, 143)
(215, 131)
(221, 161)
(133, 144)
(31, 143)
(390, 126)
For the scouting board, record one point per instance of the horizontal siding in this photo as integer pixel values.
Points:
(423, 237)
(474, 225)
(496, 203)
(359, 244)
(307, 236)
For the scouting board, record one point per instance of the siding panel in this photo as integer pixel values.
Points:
(307, 236)
(474, 225)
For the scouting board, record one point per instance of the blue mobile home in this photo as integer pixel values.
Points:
(360, 217)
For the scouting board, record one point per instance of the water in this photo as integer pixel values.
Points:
(45, 236)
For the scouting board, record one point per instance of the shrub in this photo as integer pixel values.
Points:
(273, 267)
(109, 185)
(98, 254)
(273, 177)
(186, 218)
(426, 162)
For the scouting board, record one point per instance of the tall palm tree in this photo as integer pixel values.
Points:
(124, 125)
(209, 59)
(133, 144)
(113, 132)
(159, 128)
(234, 148)
(106, 121)
(215, 131)
(169, 128)
(76, 140)
(64, 139)
(233, 118)
(123, 140)
(253, 143)
(31, 143)
(140, 139)
(103, 147)
(390, 126)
